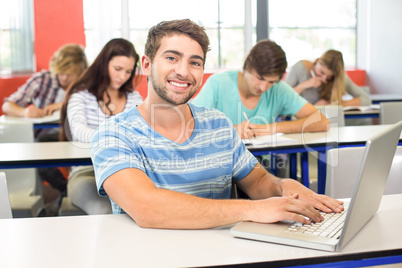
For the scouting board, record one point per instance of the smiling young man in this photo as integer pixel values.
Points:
(171, 164)
(259, 93)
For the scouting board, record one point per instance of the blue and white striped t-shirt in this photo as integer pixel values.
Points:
(204, 165)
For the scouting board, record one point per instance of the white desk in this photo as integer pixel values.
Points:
(336, 136)
(362, 114)
(49, 121)
(116, 241)
(320, 142)
(378, 98)
(56, 154)
(44, 154)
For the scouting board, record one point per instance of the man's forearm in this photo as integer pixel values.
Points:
(313, 123)
(12, 109)
(184, 211)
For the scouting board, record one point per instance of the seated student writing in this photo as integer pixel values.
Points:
(104, 90)
(42, 94)
(324, 81)
(259, 93)
(171, 164)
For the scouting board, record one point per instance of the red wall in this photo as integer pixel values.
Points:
(56, 23)
(358, 76)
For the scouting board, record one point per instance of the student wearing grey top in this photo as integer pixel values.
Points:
(324, 81)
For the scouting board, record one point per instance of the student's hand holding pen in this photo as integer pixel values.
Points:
(53, 107)
(253, 130)
(263, 129)
(245, 129)
(314, 81)
(33, 111)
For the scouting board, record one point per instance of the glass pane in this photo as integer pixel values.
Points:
(138, 38)
(16, 36)
(312, 13)
(203, 12)
(309, 44)
(213, 55)
(5, 59)
(195, 10)
(102, 22)
(232, 44)
(96, 40)
(102, 14)
(232, 13)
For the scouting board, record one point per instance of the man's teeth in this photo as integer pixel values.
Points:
(178, 84)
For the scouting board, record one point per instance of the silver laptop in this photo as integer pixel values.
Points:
(5, 208)
(366, 198)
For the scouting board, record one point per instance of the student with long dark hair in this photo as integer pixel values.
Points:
(104, 90)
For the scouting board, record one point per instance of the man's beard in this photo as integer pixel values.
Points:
(162, 93)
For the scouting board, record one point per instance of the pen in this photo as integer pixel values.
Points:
(245, 116)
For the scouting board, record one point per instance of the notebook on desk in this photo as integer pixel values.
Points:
(373, 107)
(269, 140)
(365, 201)
(48, 119)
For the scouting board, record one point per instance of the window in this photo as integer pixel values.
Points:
(102, 22)
(16, 37)
(223, 21)
(306, 29)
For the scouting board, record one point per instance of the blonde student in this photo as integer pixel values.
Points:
(324, 81)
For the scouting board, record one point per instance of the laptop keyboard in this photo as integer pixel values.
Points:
(329, 227)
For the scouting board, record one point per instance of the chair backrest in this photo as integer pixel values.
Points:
(343, 167)
(390, 112)
(334, 113)
(24, 186)
(5, 208)
(16, 131)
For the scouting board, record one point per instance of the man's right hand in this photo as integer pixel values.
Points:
(314, 82)
(33, 111)
(276, 209)
(245, 129)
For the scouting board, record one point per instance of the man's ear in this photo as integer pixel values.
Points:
(146, 65)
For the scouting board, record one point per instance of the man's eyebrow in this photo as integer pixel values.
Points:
(174, 52)
(181, 54)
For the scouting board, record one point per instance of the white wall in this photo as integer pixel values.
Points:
(379, 44)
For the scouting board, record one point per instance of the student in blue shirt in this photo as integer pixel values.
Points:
(170, 164)
(259, 93)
